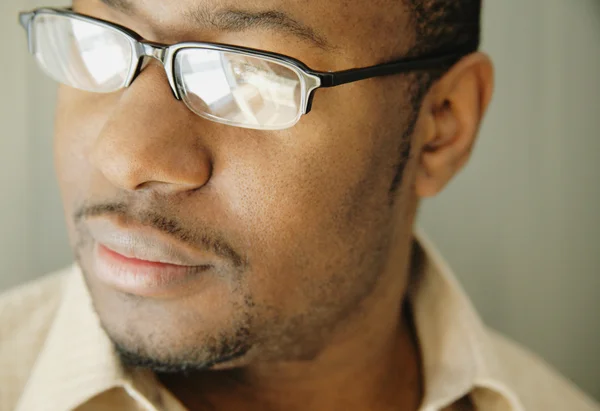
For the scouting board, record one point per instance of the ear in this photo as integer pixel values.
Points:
(453, 111)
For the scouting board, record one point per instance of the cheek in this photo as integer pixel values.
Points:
(79, 118)
(310, 204)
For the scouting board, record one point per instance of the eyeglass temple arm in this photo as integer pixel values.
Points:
(25, 17)
(349, 76)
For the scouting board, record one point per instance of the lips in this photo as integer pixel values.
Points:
(144, 262)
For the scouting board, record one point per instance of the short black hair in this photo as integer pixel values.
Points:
(440, 27)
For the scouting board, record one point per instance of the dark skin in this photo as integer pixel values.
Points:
(313, 316)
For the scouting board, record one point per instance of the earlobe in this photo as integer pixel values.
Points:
(457, 105)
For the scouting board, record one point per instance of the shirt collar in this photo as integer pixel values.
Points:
(78, 362)
(456, 352)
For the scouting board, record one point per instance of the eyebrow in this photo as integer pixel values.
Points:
(236, 20)
(121, 5)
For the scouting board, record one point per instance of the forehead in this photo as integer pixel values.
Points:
(375, 28)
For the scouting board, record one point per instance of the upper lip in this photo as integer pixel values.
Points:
(143, 243)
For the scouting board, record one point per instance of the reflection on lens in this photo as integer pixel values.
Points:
(82, 54)
(238, 89)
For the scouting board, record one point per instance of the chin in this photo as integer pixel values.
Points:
(195, 360)
(172, 336)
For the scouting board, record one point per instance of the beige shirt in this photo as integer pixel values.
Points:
(54, 356)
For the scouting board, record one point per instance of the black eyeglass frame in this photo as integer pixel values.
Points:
(312, 79)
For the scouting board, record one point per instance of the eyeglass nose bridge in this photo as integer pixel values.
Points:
(153, 50)
(161, 53)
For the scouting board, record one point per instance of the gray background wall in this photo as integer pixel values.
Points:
(520, 226)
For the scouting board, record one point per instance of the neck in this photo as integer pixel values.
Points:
(372, 364)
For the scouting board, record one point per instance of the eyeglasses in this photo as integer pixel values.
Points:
(231, 85)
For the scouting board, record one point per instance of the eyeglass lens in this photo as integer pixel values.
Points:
(82, 55)
(228, 87)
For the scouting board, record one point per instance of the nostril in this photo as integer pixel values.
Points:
(146, 164)
(168, 188)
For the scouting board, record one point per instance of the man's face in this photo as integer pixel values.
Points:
(285, 232)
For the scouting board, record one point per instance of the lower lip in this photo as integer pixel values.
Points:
(142, 278)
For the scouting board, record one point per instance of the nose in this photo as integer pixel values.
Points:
(151, 141)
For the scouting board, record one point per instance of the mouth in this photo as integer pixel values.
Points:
(143, 262)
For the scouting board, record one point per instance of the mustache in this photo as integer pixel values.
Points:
(204, 239)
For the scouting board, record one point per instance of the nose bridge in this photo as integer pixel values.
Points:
(159, 52)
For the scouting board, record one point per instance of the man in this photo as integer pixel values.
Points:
(242, 211)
